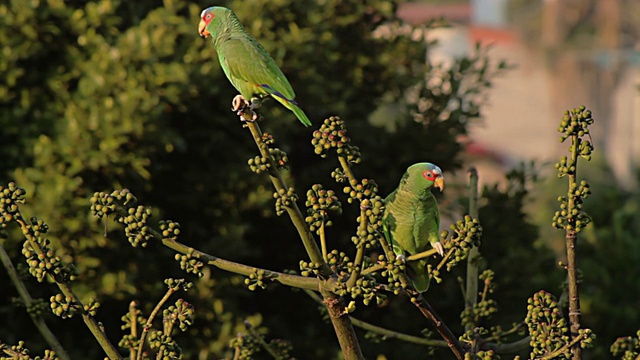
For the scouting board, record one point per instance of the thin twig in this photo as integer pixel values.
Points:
(452, 341)
(133, 311)
(359, 258)
(572, 266)
(149, 323)
(323, 241)
(28, 300)
(572, 344)
(335, 305)
(384, 331)
(261, 340)
(293, 210)
(471, 295)
(234, 267)
(66, 290)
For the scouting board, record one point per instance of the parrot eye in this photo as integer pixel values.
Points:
(208, 16)
(429, 175)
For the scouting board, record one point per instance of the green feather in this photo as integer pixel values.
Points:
(247, 65)
(411, 221)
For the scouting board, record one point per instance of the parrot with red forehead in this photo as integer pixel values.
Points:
(247, 65)
(411, 219)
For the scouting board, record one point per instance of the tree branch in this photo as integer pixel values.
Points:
(293, 210)
(88, 319)
(334, 304)
(452, 341)
(471, 295)
(27, 300)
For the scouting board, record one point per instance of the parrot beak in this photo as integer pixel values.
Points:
(439, 183)
(202, 29)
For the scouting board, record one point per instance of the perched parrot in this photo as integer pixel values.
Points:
(248, 66)
(411, 220)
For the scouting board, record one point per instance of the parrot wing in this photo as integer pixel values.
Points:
(412, 227)
(251, 69)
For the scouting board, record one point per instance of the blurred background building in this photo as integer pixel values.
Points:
(566, 53)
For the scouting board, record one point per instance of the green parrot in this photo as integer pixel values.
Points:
(411, 220)
(248, 66)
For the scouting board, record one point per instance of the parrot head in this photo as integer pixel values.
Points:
(211, 17)
(426, 175)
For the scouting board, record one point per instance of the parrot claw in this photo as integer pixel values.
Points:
(401, 258)
(439, 248)
(238, 103)
(245, 109)
(255, 103)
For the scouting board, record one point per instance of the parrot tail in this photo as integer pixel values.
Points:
(300, 114)
(419, 276)
(290, 104)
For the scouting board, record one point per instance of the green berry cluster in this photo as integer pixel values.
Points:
(475, 333)
(91, 308)
(564, 168)
(169, 229)
(307, 269)
(342, 266)
(482, 355)
(165, 345)
(570, 216)
(340, 263)
(190, 262)
(575, 122)
(367, 288)
(339, 175)
(38, 307)
(370, 227)
(483, 308)
(333, 134)
(20, 352)
(282, 348)
(628, 347)
(319, 203)
(48, 355)
(392, 271)
(131, 341)
(260, 163)
(284, 199)
(10, 197)
(267, 139)
(64, 306)
(135, 218)
(466, 234)
(280, 158)
(44, 261)
(181, 314)
(246, 346)
(178, 284)
(366, 189)
(257, 279)
(547, 327)
(587, 338)
(105, 204)
(136, 225)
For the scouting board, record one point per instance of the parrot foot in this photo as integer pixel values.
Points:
(238, 103)
(255, 103)
(439, 248)
(401, 258)
(244, 109)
